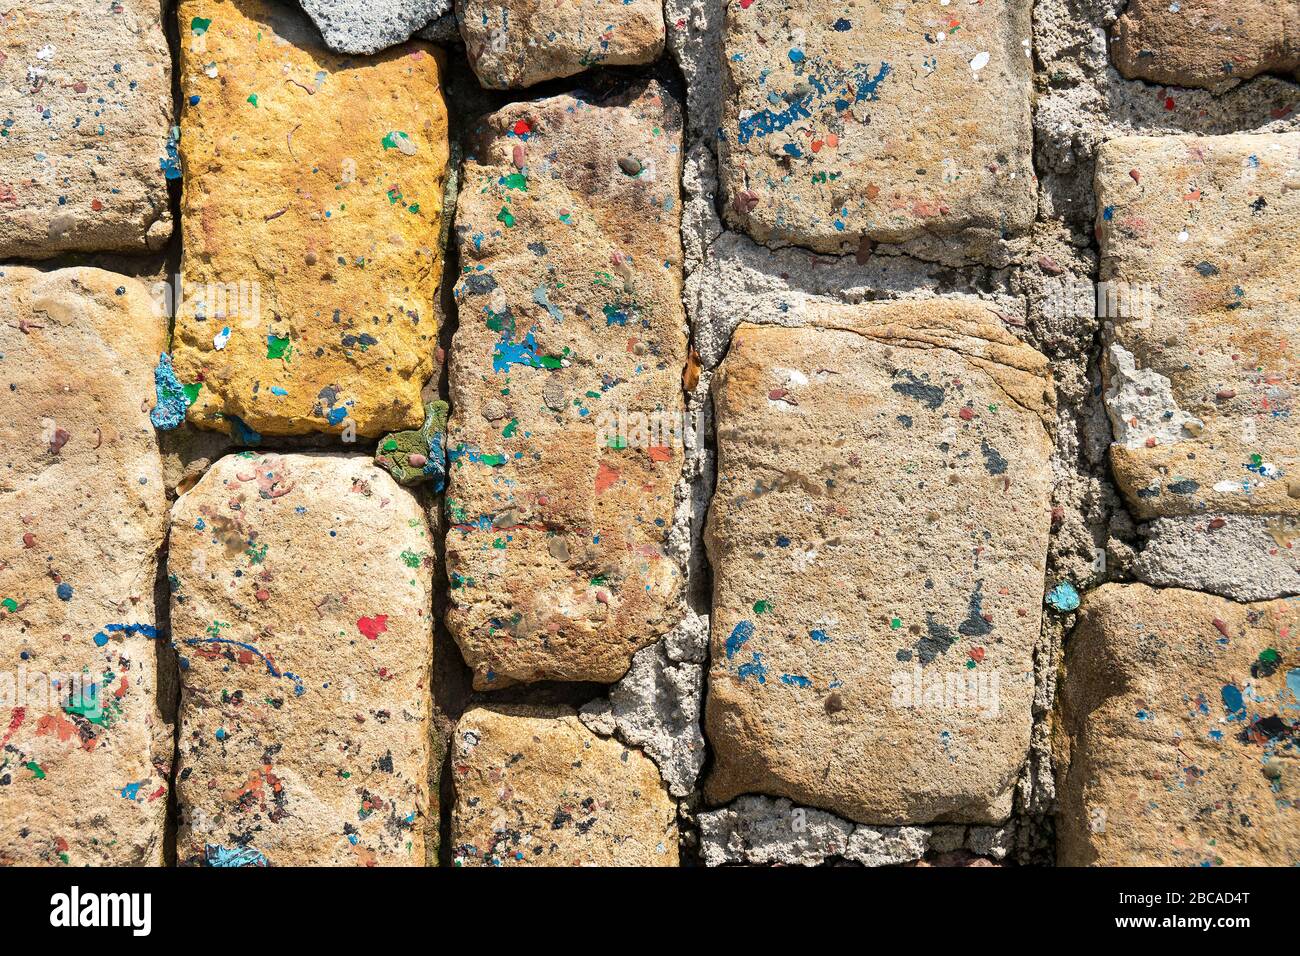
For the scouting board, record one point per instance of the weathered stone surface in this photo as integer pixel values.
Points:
(1235, 556)
(301, 590)
(368, 26)
(1206, 43)
(865, 120)
(760, 830)
(878, 537)
(85, 113)
(535, 787)
(656, 707)
(1177, 732)
(1200, 241)
(571, 325)
(83, 776)
(519, 44)
(313, 199)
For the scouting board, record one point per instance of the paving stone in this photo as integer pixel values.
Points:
(85, 115)
(866, 120)
(1200, 241)
(1206, 43)
(368, 26)
(571, 327)
(84, 771)
(301, 609)
(1177, 732)
(878, 538)
(534, 787)
(311, 215)
(521, 43)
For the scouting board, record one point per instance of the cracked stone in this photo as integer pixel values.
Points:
(656, 707)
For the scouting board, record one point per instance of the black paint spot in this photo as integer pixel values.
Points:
(1185, 487)
(936, 641)
(975, 625)
(994, 463)
(480, 283)
(920, 390)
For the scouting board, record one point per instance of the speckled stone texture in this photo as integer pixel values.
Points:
(878, 537)
(301, 612)
(83, 776)
(1200, 243)
(866, 120)
(368, 26)
(534, 787)
(1177, 732)
(85, 111)
(571, 327)
(1206, 43)
(313, 199)
(518, 44)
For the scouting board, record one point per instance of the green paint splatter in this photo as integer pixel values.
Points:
(762, 607)
(9, 604)
(515, 181)
(505, 217)
(35, 768)
(895, 623)
(509, 430)
(199, 25)
(412, 559)
(192, 392)
(252, 98)
(276, 346)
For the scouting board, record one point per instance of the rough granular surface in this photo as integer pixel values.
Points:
(310, 218)
(85, 755)
(519, 44)
(85, 115)
(301, 615)
(873, 121)
(534, 787)
(565, 436)
(1200, 242)
(878, 537)
(1177, 739)
(1206, 43)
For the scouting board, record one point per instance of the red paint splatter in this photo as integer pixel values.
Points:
(16, 721)
(521, 128)
(660, 453)
(372, 627)
(606, 477)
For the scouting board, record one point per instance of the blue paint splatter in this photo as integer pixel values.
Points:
(169, 412)
(740, 634)
(101, 637)
(240, 856)
(795, 680)
(1063, 597)
(754, 668)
